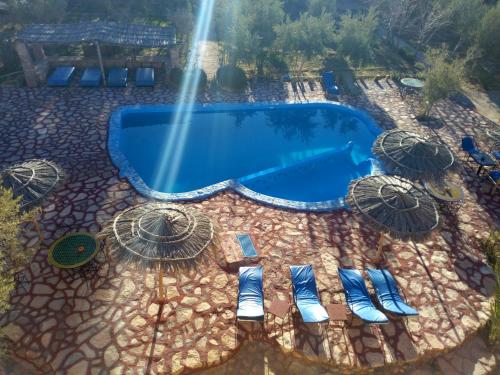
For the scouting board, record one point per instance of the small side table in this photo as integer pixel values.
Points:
(280, 309)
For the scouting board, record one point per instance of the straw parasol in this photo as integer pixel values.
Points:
(33, 181)
(411, 155)
(394, 205)
(161, 235)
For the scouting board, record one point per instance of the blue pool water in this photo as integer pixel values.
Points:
(293, 152)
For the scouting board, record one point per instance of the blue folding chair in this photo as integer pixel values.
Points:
(61, 76)
(91, 77)
(117, 77)
(145, 77)
(494, 178)
(388, 294)
(330, 83)
(469, 146)
(358, 299)
(306, 296)
(250, 295)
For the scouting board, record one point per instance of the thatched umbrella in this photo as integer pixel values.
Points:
(158, 235)
(411, 155)
(33, 181)
(394, 205)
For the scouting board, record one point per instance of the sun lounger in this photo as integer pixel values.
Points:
(247, 246)
(494, 178)
(305, 294)
(388, 294)
(330, 84)
(61, 76)
(117, 77)
(145, 77)
(358, 299)
(250, 294)
(91, 77)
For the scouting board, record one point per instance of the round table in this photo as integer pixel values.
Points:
(413, 83)
(445, 192)
(73, 250)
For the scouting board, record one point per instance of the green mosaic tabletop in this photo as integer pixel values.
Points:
(413, 82)
(73, 250)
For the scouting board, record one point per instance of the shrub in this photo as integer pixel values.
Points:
(442, 78)
(231, 77)
(176, 77)
(408, 54)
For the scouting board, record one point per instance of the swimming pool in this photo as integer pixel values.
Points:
(300, 156)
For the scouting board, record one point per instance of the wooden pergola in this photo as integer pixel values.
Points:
(36, 64)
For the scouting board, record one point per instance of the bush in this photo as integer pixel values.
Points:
(176, 77)
(231, 77)
(408, 54)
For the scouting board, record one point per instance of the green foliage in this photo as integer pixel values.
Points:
(356, 36)
(176, 77)
(231, 77)
(37, 11)
(465, 18)
(246, 29)
(12, 257)
(491, 247)
(301, 40)
(489, 32)
(442, 78)
(317, 7)
(408, 54)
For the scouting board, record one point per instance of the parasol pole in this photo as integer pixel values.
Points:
(161, 293)
(380, 244)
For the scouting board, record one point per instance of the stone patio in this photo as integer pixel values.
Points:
(65, 327)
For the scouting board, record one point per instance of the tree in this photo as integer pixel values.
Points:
(356, 35)
(301, 40)
(246, 29)
(488, 36)
(442, 78)
(465, 20)
(397, 16)
(318, 7)
(37, 11)
(431, 16)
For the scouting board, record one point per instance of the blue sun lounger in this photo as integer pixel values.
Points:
(117, 77)
(61, 76)
(305, 294)
(358, 299)
(247, 246)
(145, 77)
(250, 294)
(388, 295)
(91, 77)
(330, 83)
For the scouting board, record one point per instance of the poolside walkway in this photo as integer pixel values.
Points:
(62, 327)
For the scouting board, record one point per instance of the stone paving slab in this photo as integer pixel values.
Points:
(64, 326)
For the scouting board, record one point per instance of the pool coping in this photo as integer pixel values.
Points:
(129, 172)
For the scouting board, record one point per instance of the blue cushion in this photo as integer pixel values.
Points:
(330, 83)
(305, 294)
(117, 77)
(61, 76)
(246, 244)
(250, 294)
(91, 77)
(145, 77)
(496, 154)
(468, 144)
(358, 298)
(388, 295)
(495, 175)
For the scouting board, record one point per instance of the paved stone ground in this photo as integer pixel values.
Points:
(63, 326)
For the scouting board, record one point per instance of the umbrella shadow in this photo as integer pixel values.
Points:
(156, 330)
(399, 340)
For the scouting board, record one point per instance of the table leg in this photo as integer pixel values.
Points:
(479, 169)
